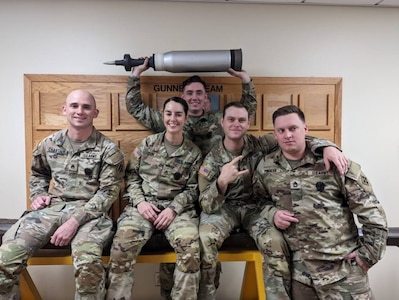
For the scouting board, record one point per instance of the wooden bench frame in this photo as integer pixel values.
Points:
(252, 284)
(238, 247)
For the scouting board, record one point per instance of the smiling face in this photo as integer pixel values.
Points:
(80, 110)
(174, 117)
(235, 123)
(195, 95)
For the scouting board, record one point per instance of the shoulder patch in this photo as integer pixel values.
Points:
(354, 171)
(115, 156)
(204, 171)
(137, 153)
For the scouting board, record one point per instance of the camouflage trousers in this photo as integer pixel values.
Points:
(215, 228)
(34, 230)
(166, 271)
(133, 232)
(355, 286)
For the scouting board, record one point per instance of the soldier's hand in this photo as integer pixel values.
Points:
(164, 219)
(332, 154)
(137, 70)
(229, 173)
(64, 234)
(243, 75)
(362, 264)
(40, 202)
(283, 219)
(148, 211)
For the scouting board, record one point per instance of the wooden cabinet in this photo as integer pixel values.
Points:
(319, 98)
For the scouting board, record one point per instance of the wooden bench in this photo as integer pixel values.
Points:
(239, 246)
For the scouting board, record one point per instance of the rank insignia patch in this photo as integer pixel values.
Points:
(365, 181)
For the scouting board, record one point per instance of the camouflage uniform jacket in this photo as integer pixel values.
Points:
(324, 202)
(91, 176)
(239, 191)
(205, 131)
(165, 181)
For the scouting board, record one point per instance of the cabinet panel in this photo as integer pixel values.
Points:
(122, 119)
(318, 111)
(270, 103)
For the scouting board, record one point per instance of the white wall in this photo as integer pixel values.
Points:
(76, 37)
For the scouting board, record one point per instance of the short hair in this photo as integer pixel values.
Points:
(234, 104)
(289, 109)
(81, 93)
(177, 100)
(192, 79)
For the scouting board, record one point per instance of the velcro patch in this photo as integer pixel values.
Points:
(136, 153)
(204, 171)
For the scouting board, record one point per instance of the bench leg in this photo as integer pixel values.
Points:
(28, 288)
(252, 284)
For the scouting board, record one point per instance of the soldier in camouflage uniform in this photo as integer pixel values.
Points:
(314, 207)
(85, 169)
(162, 189)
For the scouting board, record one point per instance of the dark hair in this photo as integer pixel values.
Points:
(234, 104)
(289, 109)
(192, 79)
(177, 100)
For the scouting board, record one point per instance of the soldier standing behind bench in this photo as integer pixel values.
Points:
(75, 178)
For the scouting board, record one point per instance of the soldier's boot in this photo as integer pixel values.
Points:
(186, 285)
(207, 288)
(13, 294)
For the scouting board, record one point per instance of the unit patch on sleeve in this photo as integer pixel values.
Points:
(204, 171)
(136, 153)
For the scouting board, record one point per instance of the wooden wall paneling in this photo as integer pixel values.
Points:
(123, 121)
(158, 99)
(48, 112)
(45, 94)
(272, 101)
(104, 121)
(338, 111)
(316, 109)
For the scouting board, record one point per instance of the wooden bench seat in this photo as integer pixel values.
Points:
(239, 246)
